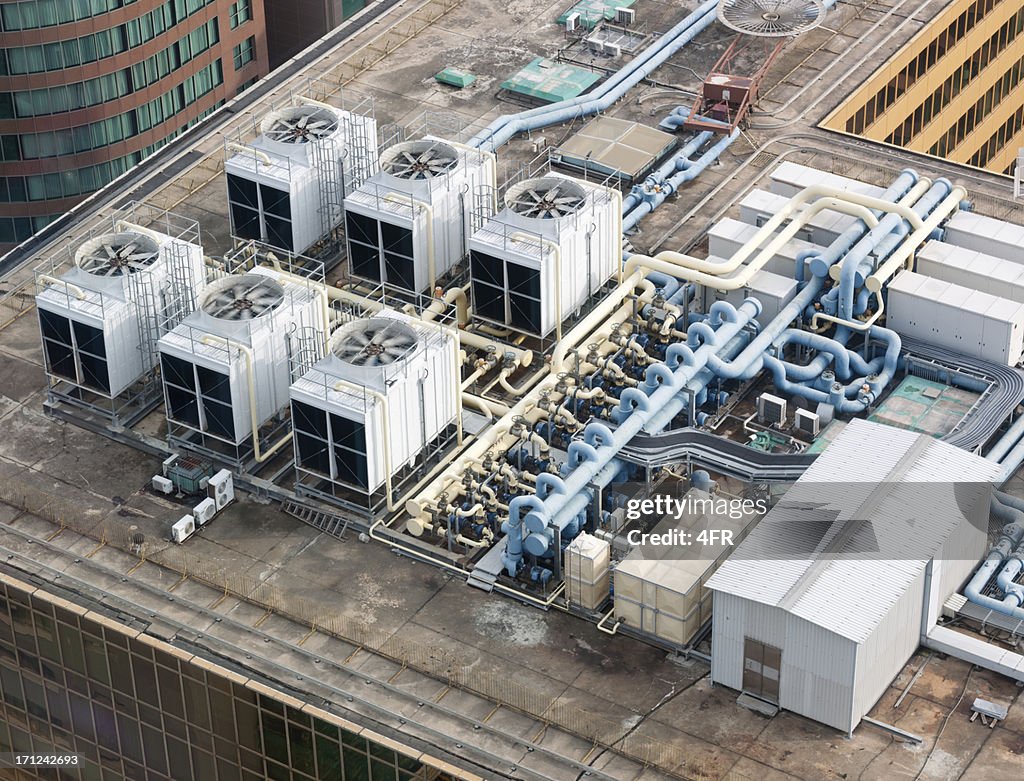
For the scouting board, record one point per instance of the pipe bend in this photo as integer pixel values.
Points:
(702, 331)
(722, 312)
(518, 504)
(580, 451)
(548, 484)
(659, 373)
(679, 354)
(633, 399)
(598, 435)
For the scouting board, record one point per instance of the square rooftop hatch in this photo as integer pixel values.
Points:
(608, 145)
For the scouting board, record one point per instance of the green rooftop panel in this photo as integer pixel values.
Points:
(592, 12)
(455, 77)
(922, 405)
(550, 81)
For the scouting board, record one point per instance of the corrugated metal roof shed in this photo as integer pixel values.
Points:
(857, 528)
(549, 81)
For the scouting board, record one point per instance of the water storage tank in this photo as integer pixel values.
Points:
(101, 319)
(230, 363)
(410, 222)
(287, 187)
(385, 392)
(556, 242)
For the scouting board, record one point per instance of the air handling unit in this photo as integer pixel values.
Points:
(286, 188)
(382, 402)
(409, 223)
(227, 367)
(103, 308)
(552, 247)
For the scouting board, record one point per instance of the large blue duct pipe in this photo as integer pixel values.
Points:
(504, 127)
(654, 195)
(823, 261)
(872, 242)
(1008, 545)
(1007, 441)
(678, 162)
(600, 444)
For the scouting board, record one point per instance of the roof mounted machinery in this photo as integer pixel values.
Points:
(227, 367)
(100, 320)
(286, 188)
(409, 223)
(553, 246)
(386, 391)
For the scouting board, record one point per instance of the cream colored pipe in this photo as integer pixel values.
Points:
(124, 225)
(526, 407)
(924, 184)
(790, 212)
(668, 262)
(906, 250)
(482, 405)
(314, 102)
(403, 200)
(492, 169)
(455, 295)
(248, 150)
(556, 250)
(257, 450)
(74, 290)
(857, 325)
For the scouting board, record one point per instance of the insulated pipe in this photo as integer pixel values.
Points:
(664, 188)
(74, 290)
(257, 451)
(824, 259)
(678, 162)
(891, 222)
(504, 127)
(1007, 441)
(1011, 536)
(579, 478)
(681, 267)
(906, 250)
(263, 157)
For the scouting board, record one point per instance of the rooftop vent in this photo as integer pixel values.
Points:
(242, 298)
(419, 160)
(117, 254)
(771, 18)
(546, 199)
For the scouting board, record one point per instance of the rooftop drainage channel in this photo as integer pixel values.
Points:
(489, 762)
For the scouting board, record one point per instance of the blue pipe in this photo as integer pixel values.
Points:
(504, 127)
(605, 443)
(820, 265)
(655, 198)
(1007, 545)
(1007, 441)
(872, 242)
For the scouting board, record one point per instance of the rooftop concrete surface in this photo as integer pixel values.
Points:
(628, 683)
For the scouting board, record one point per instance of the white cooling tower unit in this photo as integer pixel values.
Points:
(288, 187)
(387, 389)
(234, 355)
(100, 321)
(554, 244)
(409, 223)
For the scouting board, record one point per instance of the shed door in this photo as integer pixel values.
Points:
(761, 664)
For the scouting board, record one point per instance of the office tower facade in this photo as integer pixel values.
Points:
(88, 88)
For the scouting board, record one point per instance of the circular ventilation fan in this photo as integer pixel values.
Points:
(117, 254)
(300, 125)
(242, 298)
(546, 199)
(771, 18)
(419, 159)
(375, 342)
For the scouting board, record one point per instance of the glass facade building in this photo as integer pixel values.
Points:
(88, 88)
(954, 91)
(132, 707)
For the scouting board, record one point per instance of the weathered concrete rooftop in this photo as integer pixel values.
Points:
(274, 595)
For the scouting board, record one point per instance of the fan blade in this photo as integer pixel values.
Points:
(302, 122)
(111, 254)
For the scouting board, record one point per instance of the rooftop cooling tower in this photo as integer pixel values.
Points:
(555, 234)
(101, 319)
(386, 391)
(409, 223)
(228, 365)
(286, 189)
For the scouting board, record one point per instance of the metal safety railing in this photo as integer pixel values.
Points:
(603, 732)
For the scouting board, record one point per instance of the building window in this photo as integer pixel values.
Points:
(245, 52)
(241, 12)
